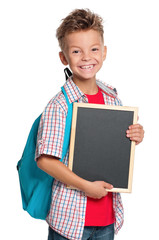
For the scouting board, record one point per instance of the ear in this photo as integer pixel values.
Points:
(104, 53)
(63, 58)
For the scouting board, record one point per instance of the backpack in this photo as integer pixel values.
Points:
(35, 184)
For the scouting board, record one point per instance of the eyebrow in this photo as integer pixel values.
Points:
(96, 44)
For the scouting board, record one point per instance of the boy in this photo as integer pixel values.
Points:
(90, 212)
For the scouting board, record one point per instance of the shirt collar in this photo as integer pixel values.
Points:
(73, 91)
(75, 94)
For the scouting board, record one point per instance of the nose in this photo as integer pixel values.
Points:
(86, 56)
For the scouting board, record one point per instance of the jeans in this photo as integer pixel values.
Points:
(89, 233)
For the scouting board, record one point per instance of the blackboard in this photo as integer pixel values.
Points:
(99, 148)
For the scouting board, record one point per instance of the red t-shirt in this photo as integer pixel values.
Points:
(99, 212)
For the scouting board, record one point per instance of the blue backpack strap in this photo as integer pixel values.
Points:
(67, 126)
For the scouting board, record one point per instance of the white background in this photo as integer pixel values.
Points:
(31, 74)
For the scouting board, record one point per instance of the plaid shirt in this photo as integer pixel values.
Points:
(68, 207)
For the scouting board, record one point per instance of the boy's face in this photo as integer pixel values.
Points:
(84, 52)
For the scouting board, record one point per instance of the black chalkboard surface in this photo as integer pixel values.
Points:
(99, 148)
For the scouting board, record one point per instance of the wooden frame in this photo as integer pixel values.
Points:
(123, 109)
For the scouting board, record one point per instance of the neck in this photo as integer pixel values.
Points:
(87, 86)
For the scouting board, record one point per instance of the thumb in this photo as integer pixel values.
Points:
(107, 185)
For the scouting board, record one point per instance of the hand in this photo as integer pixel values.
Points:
(97, 189)
(135, 133)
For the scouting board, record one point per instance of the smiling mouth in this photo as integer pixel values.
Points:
(89, 67)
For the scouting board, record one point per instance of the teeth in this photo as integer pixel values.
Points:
(87, 67)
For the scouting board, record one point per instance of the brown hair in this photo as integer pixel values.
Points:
(79, 19)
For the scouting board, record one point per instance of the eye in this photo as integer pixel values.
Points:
(95, 49)
(76, 51)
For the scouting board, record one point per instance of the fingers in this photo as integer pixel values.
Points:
(107, 185)
(135, 133)
(97, 189)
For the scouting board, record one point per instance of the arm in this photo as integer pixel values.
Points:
(59, 171)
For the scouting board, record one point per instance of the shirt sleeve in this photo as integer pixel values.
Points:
(51, 131)
(118, 102)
